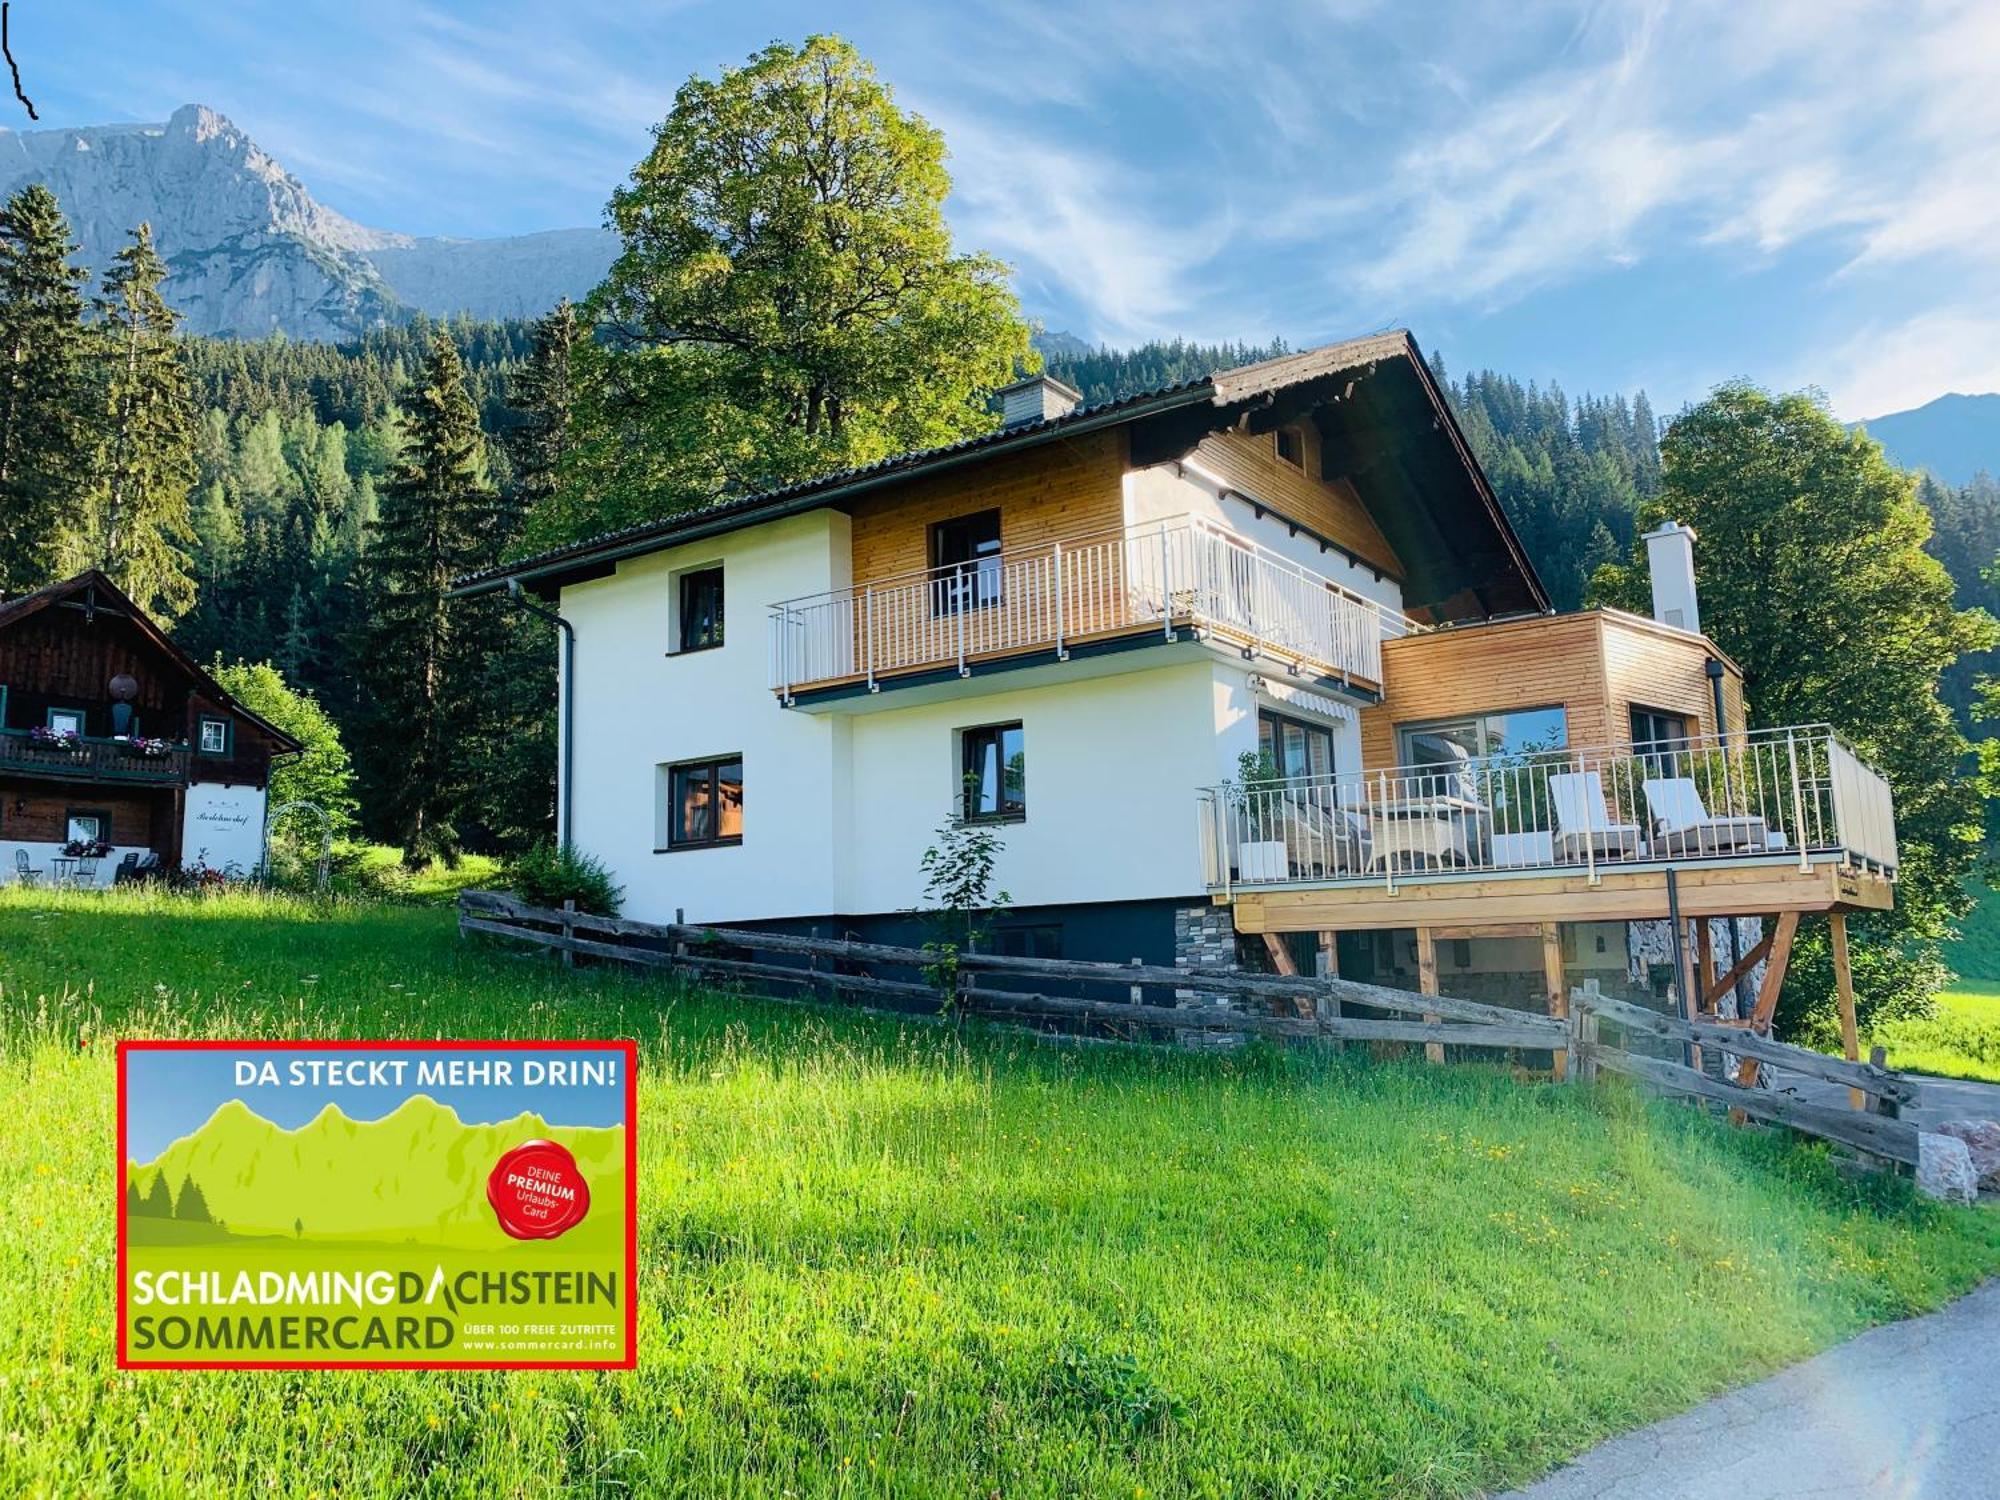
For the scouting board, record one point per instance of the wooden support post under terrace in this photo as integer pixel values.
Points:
(1427, 984)
(1704, 958)
(1557, 990)
(1843, 981)
(1785, 930)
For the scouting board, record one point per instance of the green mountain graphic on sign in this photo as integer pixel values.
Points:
(418, 1173)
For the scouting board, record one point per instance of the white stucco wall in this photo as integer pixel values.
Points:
(1160, 493)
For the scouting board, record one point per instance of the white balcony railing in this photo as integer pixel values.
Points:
(1163, 575)
(1767, 794)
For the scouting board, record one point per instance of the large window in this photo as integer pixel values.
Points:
(705, 804)
(965, 560)
(1296, 748)
(66, 720)
(701, 610)
(1656, 729)
(993, 761)
(1514, 735)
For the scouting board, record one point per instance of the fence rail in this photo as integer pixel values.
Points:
(1792, 792)
(1190, 999)
(1166, 574)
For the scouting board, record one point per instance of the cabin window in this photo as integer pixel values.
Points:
(700, 610)
(993, 765)
(1297, 749)
(214, 738)
(965, 562)
(1291, 447)
(1656, 729)
(86, 826)
(66, 720)
(704, 803)
(1029, 940)
(1513, 735)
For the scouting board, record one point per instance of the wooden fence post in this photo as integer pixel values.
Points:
(1557, 993)
(1843, 983)
(569, 933)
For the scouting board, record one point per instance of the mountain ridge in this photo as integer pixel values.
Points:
(251, 252)
(1953, 436)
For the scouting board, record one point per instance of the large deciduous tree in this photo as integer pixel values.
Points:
(322, 773)
(788, 300)
(45, 435)
(140, 527)
(1814, 577)
(420, 654)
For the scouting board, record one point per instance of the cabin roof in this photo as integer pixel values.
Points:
(95, 584)
(1456, 541)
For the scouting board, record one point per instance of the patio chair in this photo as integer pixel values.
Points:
(25, 873)
(1682, 825)
(84, 877)
(1322, 841)
(1583, 820)
(127, 868)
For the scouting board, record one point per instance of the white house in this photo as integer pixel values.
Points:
(1080, 625)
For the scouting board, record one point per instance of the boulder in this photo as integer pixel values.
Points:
(1944, 1168)
(1982, 1139)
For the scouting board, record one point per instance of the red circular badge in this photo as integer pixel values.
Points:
(537, 1191)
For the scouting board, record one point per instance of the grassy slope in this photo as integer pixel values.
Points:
(882, 1260)
(1961, 1041)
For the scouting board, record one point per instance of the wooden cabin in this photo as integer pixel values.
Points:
(111, 735)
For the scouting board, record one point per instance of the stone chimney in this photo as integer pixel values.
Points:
(1670, 559)
(1036, 399)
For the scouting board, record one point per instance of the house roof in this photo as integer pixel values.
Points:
(1256, 395)
(95, 583)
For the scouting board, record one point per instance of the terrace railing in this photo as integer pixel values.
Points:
(90, 758)
(1792, 793)
(1161, 575)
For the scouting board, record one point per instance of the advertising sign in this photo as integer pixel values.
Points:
(458, 1205)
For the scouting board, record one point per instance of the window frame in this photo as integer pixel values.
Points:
(202, 721)
(82, 717)
(1279, 720)
(1298, 437)
(98, 815)
(1656, 744)
(969, 738)
(1486, 753)
(713, 765)
(682, 580)
(974, 569)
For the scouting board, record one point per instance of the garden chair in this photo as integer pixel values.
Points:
(1583, 820)
(84, 878)
(25, 873)
(1682, 824)
(127, 869)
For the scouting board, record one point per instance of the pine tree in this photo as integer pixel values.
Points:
(44, 390)
(192, 1205)
(437, 522)
(140, 526)
(134, 1204)
(543, 395)
(159, 1202)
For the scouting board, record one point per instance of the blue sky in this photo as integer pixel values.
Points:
(170, 1094)
(1608, 195)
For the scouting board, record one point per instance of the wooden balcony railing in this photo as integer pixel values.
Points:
(90, 758)
(1789, 794)
(1158, 576)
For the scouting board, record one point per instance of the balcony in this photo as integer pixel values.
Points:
(1159, 579)
(89, 758)
(1788, 797)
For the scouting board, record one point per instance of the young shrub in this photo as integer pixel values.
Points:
(550, 874)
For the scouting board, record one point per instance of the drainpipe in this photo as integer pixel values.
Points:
(568, 758)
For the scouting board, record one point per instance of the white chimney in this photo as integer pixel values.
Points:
(1670, 559)
(1036, 399)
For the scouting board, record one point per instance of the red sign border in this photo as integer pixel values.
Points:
(629, 1048)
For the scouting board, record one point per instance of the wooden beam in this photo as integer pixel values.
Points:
(1556, 990)
(1704, 962)
(1843, 983)
(1282, 961)
(1684, 978)
(1456, 930)
(1329, 967)
(1787, 928)
(1739, 970)
(1427, 984)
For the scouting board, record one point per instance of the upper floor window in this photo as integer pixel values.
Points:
(214, 737)
(66, 720)
(700, 610)
(704, 803)
(965, 561)
(1292, 446)
(993, 761)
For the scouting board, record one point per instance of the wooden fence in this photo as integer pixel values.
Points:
(1125, 1002)
(1878, 1130)
(1138, 1002)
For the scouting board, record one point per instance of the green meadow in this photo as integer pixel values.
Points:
(899, 1259)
